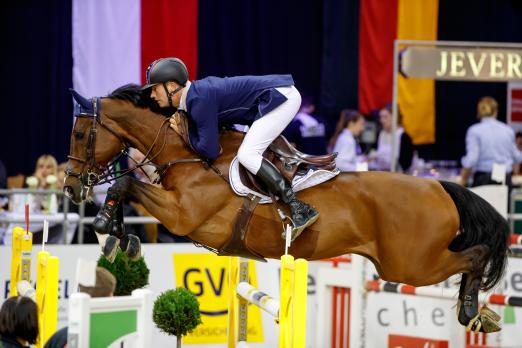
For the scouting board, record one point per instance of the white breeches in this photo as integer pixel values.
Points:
(264, 130)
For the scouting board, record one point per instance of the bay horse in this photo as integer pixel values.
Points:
(415, 230)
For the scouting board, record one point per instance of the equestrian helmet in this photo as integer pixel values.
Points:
(166, 69)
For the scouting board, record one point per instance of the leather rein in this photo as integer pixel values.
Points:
(89, 177)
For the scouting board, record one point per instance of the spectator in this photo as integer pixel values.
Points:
(18, 322)
(46, 165)
(105, 284)
(307, 131)
(347, 148)
(488, 142)
(381, 158)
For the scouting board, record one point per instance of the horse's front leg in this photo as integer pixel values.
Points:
(109, 224)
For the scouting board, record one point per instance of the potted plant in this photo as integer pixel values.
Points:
(176, 312)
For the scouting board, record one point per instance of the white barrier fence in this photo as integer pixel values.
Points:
(384, 314)
(123, 321)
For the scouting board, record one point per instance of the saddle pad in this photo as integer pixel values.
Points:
(300, 182)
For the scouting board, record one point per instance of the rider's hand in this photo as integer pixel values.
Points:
(175, 123)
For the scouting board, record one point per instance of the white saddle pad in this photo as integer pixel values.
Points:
(300, 182)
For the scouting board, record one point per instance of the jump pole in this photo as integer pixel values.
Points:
(450, 294)
(289, 312)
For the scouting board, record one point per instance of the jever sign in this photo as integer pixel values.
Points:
(472, 64)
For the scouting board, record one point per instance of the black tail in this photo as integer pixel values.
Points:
(480, 223)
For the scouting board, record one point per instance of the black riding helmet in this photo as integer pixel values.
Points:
(164, 70)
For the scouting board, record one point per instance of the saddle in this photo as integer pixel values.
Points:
(289, 161)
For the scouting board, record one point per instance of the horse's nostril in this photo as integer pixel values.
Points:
(68, 191)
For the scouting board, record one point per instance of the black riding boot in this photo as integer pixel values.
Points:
(303, 215)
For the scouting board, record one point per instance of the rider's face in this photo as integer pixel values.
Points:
(160, 96)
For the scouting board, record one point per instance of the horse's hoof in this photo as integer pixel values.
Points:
(117, 229)
(101, 223)
(486, 311)
(110, 249)
(489, 325)
(132, 247)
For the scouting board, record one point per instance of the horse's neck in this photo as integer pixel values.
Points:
(149, 133)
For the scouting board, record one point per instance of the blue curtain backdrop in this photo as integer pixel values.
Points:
(258, 37)
(340, 58)
(36, 63)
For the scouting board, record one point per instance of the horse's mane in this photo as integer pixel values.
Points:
(131, 92)
(134, 94)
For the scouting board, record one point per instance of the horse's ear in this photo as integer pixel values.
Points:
(84, 102)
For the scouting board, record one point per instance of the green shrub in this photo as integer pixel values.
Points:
(176, 312)
(130, 275)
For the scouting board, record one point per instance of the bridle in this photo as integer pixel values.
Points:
(89, 177)
(92, 173)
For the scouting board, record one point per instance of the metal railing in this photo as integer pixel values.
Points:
(64, 219)
(515, 196)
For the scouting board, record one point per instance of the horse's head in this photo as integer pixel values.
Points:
(93, 145)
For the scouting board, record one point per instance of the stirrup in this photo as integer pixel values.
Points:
(296, 230)
(285, 220)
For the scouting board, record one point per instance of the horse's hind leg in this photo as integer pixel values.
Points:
(469, 315)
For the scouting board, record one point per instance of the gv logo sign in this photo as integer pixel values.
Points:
(199, 281)
(206, 275)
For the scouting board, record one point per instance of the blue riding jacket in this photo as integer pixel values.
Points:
(214, 102)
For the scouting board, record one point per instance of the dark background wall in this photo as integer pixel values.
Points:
(36, 70)
(316, 41)
(456, 102)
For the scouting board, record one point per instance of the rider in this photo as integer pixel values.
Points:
(267, 104)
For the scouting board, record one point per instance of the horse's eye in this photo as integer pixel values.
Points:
(78, 135)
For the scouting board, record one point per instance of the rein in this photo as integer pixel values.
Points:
(90, 178)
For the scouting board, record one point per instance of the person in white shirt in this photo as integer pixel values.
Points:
(488, 142)
(381, 158)
(346, 146)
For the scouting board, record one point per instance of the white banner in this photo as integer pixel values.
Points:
(106, 40)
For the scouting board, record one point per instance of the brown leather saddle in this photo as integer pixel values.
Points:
(289, 161)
